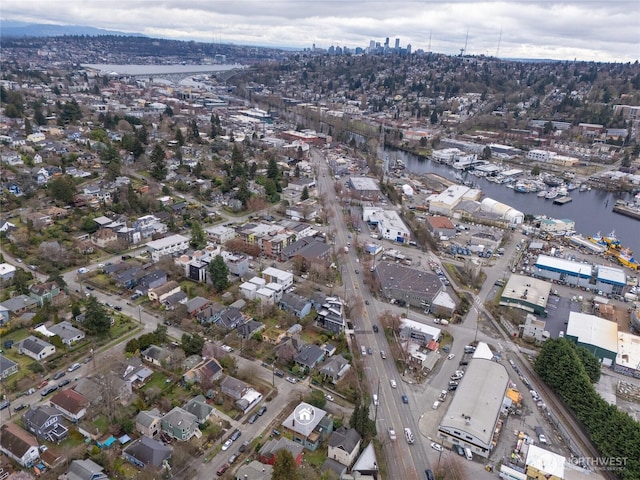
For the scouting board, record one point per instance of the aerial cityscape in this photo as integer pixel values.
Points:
(344, 241)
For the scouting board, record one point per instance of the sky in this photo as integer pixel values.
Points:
(603, 30)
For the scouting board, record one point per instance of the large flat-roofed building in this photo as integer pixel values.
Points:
(471, 420)
(628, 357)
(364, 188)
(563, 271)
(596, 334)
(543, 464)
(171, 245)
(391, 226)
(444, 203)
(408, 285)
(610, 280)
(526, 293)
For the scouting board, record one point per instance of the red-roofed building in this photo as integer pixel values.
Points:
(441, 227)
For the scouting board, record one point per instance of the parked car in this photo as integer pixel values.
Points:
(437, 447)
(253, 418)
(292, 380)
(262, 410)
(278, 373)
(222, 469)
(64, 383)
(226, 445)
(235, 435)
(22, 406)
(451, 356)
(59, 375)
(233, 458)
(243, 447)
(328, 397)
(4, 404)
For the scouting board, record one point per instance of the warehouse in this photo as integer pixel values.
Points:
(364, 188)
(526, 293)
(407, 285)
(563, 271)
(444, 203)
(596, 334)
(472, 419)
(610, 280)
(501, 211)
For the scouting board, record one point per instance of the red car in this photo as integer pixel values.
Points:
(43, 384)
(223, 469)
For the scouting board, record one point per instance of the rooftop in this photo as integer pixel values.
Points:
(584, 270)
(593, 330)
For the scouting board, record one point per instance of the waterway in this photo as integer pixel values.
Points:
(591, 210)
(159, 69)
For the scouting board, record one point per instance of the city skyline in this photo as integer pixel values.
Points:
(584, 30)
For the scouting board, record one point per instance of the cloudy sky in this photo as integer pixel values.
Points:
(603, 30)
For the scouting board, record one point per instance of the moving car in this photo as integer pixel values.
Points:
(375, 328)
(393, 383)
(383, 355)
(405, 399)
(429, 474)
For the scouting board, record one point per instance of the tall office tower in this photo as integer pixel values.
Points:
(397, 44)
(408, 49)
(386, 43)
(372, 46)
(313, 48)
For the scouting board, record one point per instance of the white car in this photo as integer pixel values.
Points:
(226, 445)
(393, 383)
(227, 348)
(437, 447)
(450, 356)
(329, 397)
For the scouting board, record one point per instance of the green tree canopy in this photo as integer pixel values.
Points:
(219, 274)
(62, 189)
(192, 344)
(284, 467)
(305, 193)
(97, 320)
(198, 238)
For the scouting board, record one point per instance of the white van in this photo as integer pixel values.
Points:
(375, 399)
(363, 350)
(467, 453)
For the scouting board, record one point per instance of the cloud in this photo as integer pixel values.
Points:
(587, 30)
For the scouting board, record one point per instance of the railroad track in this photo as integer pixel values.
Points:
(564, 416)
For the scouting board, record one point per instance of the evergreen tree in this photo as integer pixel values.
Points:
(159, 168)
(62, 189)
(195, 131)
(97, 321)
(219, 274)
(305, 193)
(28, 129)
(38, 116)
(179, 137)
(198, 239)
(272, 169)
(236, 155)
(284, 467)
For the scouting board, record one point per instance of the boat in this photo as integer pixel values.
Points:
(542, 193)
(399, 164)
(571, 187)
(520, 188)
(583, 188)
(551, 194)
(562, 200)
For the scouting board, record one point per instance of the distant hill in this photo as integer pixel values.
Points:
(14, 29)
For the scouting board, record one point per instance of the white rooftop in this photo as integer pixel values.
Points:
(545, 461)
(593, 330)
(167, 242)
(364, 183)
(628, 351)
(612, 275)
(584, 270)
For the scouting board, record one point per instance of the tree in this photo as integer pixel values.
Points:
(272, 169)
(192, 344)
(195, 132)
(198, 238)
(486, 153)
(97, 321)
(316, 398)
(63, 189)
(28, 129)
(535, 171)
(219, 273)
(284, 467)
(179, 137)
(434, 117)
(305, 193)
(159, 169)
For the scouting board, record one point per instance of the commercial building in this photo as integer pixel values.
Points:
(610, 280)
(171, 245)
(390, 226)
(441, 226)
(526, 293)
(596, 334)
(501, 211)
(543, 464)
(563, 271)
(364, 188)
(407, 285)
(444, 203)
(556, 226)
(628, 357)
(473, 417)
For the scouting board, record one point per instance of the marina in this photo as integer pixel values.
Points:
(591, 208)
(562, 200)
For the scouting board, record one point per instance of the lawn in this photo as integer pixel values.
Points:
(158, 380)
(316, 458)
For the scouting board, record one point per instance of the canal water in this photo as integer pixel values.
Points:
(591, 211)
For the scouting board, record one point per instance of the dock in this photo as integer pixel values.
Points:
(628, 211)
(562, 200)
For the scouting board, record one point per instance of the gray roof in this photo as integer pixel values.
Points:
(149, 451)
(156, 353)
(147, 417)
(196, 303)
(294, 301)
(85, 470)
(6, 364)
(282, 443)
(309, 355)
(367, 461)
(199, 407)
(345, 438)
(16, 304)
(410, 280)
(65, 330)
(40, 414)
(304, 429)
(255, 471)
(33, 344)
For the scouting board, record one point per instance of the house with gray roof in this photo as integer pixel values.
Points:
(233, 387)
(367, 462)
(7, 367)
(344, 444)
(36, 348)
(44, 292)
(46, 423)
(205, 373)
(180, 424)
(85, 469)
(295, 304)
(331, 315)
(335, 368)
(199, 407)
(254, 471)
(19, 304)
(268, 451)
(308, 425)
(67, 332)
(148, 422)
(155, 355)
(147, 452)
(196, 305)
(309, 356)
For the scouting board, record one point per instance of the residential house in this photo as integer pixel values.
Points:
(85, 470)
(309, 357)
(7, 270)
(211, 314)
(196, 305)
(276, 275)
(268, 451)
(19, 304)
(230, 318)
(7, 367)
(331, 315)
(104, 237)
(249, 328)
(93, 388)
(19, 445)
(44, 292)
(36, 348)
(234, 388)
(180, 424)
(147, 452)
(46, 423)
(205, 373)
(148, 422)
(254, 471)
(310, 249)
(308, 425)
(335, 369)
(72, 404)
(136, 374)
(67, 333)
(152, 279)
(344, 444)
(155, 355)
(159, 294)
(199, 407)
(295, 304)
